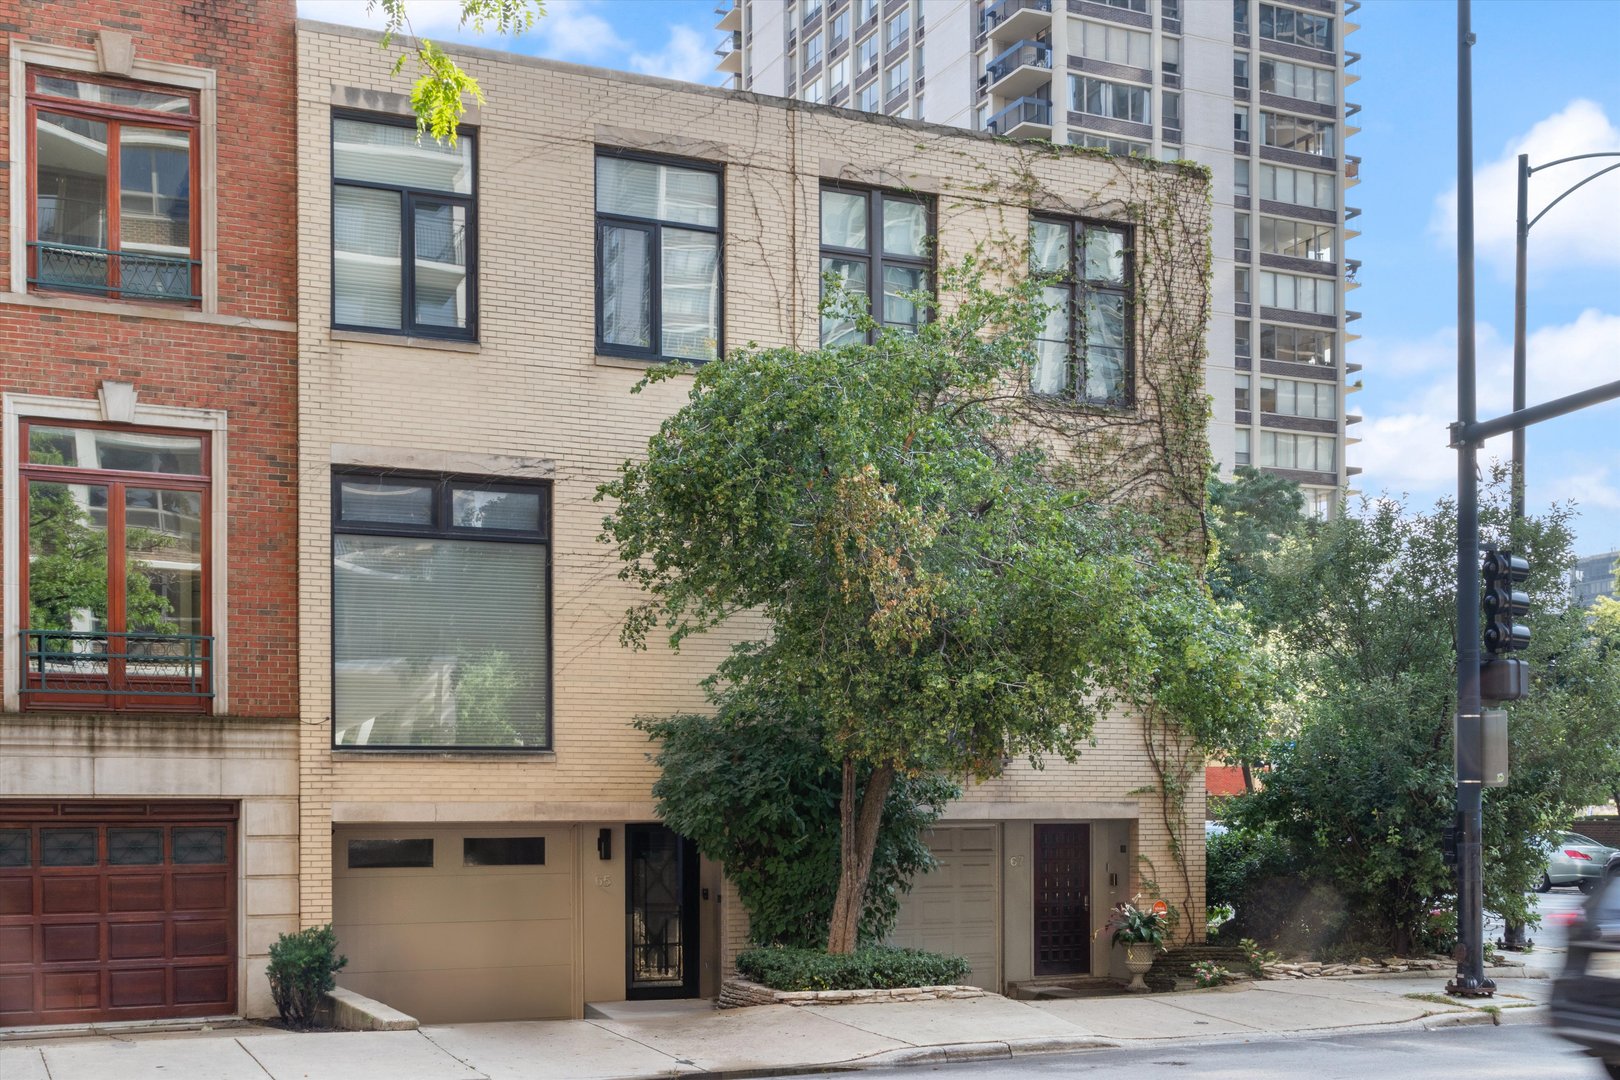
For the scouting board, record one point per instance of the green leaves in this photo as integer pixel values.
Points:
(1360, 611)
(438, 97)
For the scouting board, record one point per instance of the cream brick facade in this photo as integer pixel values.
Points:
(532, 398)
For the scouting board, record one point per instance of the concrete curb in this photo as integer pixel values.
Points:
(1515, 972)
(945, 1053)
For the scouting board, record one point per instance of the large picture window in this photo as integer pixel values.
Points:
(440, 612)
(877, 244)
(1084, 350)
(115, 542)
(113, 177)
(403, 230)
(657, 258)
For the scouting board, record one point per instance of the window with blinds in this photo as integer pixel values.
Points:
(441, 613)
(657, 258)
(403, 230)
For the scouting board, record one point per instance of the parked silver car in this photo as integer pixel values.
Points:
(1586, 995)
(1575, 860)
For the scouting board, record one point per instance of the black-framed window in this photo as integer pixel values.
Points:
(1084, 349)
(441, 613)
(878, 244)
(658, 266)
(404, 229)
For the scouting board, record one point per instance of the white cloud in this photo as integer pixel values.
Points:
(688, 56)
(1584, 229)
(1404, 444)
(572, 30)
(1592, 489)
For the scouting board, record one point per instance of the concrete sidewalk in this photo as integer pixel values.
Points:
(770, 1039)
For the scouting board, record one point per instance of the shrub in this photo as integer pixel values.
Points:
(1207, 973)
(1255, 957)
(875, 968)
(302, 969)
(759, 793)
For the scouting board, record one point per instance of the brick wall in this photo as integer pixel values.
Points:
(532, 389)
(241, 359)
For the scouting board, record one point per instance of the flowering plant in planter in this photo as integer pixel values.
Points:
(1129, 924)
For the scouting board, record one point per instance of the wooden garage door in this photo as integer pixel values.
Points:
(458, 923)
(116, 911)
(954, 907)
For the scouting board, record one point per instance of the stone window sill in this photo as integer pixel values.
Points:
(405, 341)
(134, 310)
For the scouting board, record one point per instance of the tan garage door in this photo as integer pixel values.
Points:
(955, 907)
(457, 924)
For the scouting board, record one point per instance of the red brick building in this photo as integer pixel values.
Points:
(147, 313)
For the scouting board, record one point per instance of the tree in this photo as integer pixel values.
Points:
(754, 788)
(1361, 778)
(1248, 517)
(936, 603)
(439, 94)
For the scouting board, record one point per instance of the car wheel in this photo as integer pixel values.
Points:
(1545, 884)
(1587, 885)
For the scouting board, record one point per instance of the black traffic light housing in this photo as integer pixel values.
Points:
(1502, 677)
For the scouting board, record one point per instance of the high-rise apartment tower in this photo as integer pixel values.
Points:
(1253, 89)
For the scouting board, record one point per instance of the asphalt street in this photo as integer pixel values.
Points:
(1510, 1052)
(1554, 906)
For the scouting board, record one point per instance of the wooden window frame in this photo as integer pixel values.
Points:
(115, 481)
(115, 117)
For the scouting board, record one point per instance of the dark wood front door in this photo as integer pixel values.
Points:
(116, 911)
(661, 914)
(1062, 899)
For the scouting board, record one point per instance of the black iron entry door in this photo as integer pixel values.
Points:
(1062, 899)
(662, 914)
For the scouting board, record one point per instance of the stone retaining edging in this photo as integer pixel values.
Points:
(741, 994)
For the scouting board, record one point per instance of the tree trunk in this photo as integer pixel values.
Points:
(858, 820)
(1248, 779)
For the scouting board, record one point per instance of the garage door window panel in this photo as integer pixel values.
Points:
(441, 609)
(389, 854)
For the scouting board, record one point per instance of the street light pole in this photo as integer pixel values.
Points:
(1470, 980)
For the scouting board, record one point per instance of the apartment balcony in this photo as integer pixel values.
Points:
(730, 60)
(730, 18)
(1352, 267)
(78, 669)
(1026, 118)
(1020, 70)
(1352, 418)
(1012, 20)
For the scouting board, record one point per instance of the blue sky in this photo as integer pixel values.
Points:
(1546, 81)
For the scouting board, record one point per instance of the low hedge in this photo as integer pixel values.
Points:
(864, 969)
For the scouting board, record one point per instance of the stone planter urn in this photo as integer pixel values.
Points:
(1138, 959)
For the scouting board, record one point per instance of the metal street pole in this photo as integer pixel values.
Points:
(1470, 979)
(1521, 235)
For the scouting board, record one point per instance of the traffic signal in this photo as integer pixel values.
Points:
(1502, 677)
(1504, 601)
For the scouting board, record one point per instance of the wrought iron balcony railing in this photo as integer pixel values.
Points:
(128, 274)
(82, 664)
(1026, 110)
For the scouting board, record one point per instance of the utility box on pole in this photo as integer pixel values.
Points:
(1481, 749)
